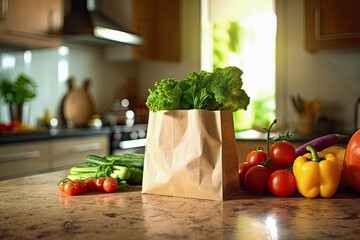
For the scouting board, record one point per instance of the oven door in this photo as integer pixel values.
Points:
(129, 146)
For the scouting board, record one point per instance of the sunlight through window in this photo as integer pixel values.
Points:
(248, 42)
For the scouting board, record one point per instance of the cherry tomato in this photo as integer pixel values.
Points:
(99, 182)
(90, 185)
(282, 183)
(256, 179)
(3, 127)
(352, 161)
(14, 125)
(71, 188)
(256, 157)
(243, 168)
(61, 185)
(82, 186)
(282, 154)
(110, 184)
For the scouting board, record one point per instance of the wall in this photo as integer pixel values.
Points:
(331, 76)
(50, 70)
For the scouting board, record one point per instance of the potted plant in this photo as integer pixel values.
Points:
(16, 94)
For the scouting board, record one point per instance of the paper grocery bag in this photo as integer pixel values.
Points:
(191, 153)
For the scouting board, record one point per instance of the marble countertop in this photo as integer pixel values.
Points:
(33, 208)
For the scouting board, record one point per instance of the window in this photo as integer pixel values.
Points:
(248, 42)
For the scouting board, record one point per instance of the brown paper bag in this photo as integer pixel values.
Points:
(191, 153)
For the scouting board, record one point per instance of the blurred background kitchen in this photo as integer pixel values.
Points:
(301, 60)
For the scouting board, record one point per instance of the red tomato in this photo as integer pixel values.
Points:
(82, 186)
(282, 183)
(90, 185)
(256, 178)
(256, 157)
(14, 125)
(352, 161)
(99, 182)
(110, 184)
(3, 127)
(243, 168)
(71, 188)
(61, 185)
(282, 154)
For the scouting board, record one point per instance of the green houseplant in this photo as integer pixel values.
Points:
(17, 93)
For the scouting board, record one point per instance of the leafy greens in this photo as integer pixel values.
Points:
(219, 90)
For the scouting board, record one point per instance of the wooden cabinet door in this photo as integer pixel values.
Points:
(72, 151)
(33, 23)
(22, 158)
(332, 24)
(167, 27)
(158, 21)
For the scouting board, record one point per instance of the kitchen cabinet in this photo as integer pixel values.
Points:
(332, 24)
(72, 151)
(31, 23)
(17, 159)
(157, 21)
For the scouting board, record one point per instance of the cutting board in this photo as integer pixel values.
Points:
(77, 105)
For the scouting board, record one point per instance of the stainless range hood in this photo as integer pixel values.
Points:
(85, 24)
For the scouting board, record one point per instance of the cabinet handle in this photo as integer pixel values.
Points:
(329, 37)
(19, 156)
(85, 147)
(4, 9)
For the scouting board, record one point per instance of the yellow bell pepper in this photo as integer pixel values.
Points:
(317, 173)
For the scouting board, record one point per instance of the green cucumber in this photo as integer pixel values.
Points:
(95, 161)
(127, 159)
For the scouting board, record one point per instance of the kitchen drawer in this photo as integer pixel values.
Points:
(72, 151)
(19, 159)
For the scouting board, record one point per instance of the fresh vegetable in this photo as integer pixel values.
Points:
(120, 172)
(136, 175)
(99, 184)
(71, 188)
(127, 159)
(319, 143)
(317, 173)
(219, 90)
(339, 153)
(256, 179)
(243, 168)
(282, 154)
(256, 157)
(95, 161)
(90, 184)
(110, 184)
(81, 184)
(83, 169)
(281, 183)
(352, 161)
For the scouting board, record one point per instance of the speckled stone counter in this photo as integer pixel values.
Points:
(33, 208)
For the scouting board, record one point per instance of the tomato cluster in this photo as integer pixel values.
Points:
(263, 171)
(101, 184)
(260, 173)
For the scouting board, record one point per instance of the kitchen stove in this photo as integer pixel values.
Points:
(128, 139)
